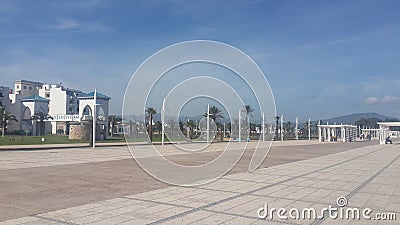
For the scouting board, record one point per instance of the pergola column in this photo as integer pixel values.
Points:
(329, 134)
(319, 134)
(343, 132)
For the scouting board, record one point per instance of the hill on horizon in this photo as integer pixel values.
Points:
(351, 119)
(346, 119)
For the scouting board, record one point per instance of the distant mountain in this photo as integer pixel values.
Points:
(351, 119)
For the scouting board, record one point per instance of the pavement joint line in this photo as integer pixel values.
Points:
(158, 202)
(356, 190)
(258, 189)
(249, 181)
(249, 217)
(54, 220)
(283, 198)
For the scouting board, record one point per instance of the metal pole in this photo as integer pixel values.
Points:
(240, 132)
(163, 123)
(282, 128)
(263, 127)
(224, 129)
(187, 129)
(94, 118)
(4, 124)
(309, 129)
(297, 128)
(208, 123)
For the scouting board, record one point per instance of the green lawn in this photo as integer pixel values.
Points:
(63, 139)
(49, 139)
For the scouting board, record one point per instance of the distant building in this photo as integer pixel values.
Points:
(4, 98)
(65, 105)
(23, 88)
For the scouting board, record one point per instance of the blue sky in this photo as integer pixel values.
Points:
(321, 58)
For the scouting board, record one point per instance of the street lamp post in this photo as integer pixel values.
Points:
(309, 129)
(224, 129)
(297, 128)
(240, 128)
(94, 118)
(282, 128)
(163, 123)
(208, 123)
(263, 127)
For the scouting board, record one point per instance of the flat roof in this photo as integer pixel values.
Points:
(28, 81)
(336, 126)
(389, 124)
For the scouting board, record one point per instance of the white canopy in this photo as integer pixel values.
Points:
(384, 129)
(328, 130)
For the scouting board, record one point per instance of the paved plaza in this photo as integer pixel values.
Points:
(105, 186)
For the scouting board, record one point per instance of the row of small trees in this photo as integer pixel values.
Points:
(7, 117)
(215, 114)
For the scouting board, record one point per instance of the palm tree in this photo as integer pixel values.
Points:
(131, 123)
(41, 117)
(276, 126)
(112, 120)
(288, 125)
(216, 115)
(316, 126)
(4, 118)
(159, 127)
(190, 125)
(171, 125)
(151, 111)
(248, 110)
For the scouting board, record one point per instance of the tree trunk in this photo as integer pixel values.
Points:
(43, 128)
(4, 128)
(151, 127)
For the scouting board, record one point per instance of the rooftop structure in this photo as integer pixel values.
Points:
(65, 105)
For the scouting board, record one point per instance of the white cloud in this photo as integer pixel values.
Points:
(389, 99)
(345, 40)
(384, 100)
(70, 24)
(66, 24)
(371, 100)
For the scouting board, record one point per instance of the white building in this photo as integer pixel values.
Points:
(63, 104)
(24, 88)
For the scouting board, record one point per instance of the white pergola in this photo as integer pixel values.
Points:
(371, 131)
(384, 130)
(347, 132)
